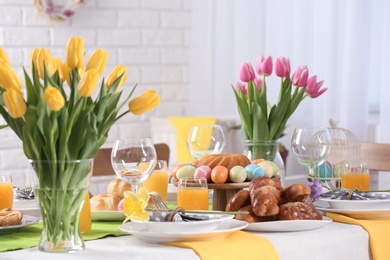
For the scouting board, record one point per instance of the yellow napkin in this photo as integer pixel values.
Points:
(182, 126)
(238, 245)
(378, 229)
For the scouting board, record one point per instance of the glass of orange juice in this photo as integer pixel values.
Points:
(193, 193)
(6, 191)
(355, 175)
(158, 180)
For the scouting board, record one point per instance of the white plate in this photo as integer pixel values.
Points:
(107, 215)
(357, 204)
(26, 221)
(288, 225)
(360, 213)
(140, 231)
(190, 226)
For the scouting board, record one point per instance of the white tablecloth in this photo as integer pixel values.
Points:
(334, 241)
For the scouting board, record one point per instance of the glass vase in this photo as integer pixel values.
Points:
(61, 188)
(268, 150)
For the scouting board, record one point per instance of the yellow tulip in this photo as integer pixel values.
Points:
(97, 61)
(9, 78)
(144, 102)
(13, 100)
(42, 57)
(75, 53)
(54, 99)
(115, 73)
(3, 57)
(63, 70)
(88, 83)
(81, 71)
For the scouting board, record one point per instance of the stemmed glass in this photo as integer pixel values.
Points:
(311, 147)
(205, 139)
(133, 160)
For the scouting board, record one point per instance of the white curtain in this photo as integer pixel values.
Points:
(344, 42)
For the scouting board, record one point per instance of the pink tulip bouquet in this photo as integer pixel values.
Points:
(260, 121)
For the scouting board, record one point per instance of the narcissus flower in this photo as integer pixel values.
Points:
(144, 102)
(54, 99)
(134, 205)
(13, 100)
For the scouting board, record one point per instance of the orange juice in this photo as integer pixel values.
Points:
(6, 195)
(195, 198)
(85, 216)
(158, 181)
(358, 180)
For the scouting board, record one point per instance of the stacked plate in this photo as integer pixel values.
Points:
(372, 206)
(216, 227)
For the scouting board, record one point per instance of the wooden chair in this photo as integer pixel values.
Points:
(102, 162)
(377, 155)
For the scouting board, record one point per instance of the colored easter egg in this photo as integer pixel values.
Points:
(203, 171)
(237, 174)
(324, 170)
(268, 170)
(219, 174)
(250, 168)
(258, 172)
(185, 171)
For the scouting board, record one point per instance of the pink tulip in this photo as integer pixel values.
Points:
(313, 87)
(242, 86)
(282, 67)
(258, 83)
(300, 76)
(264, 65)
(246, 72)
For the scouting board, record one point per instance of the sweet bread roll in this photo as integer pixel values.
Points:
(105, 203)
(252, 217)
(239, 200)
(298, 211)
(117, 188)
(227, 160)
(265, 205)
(296, 192)
(265, 181)
(96, 197)
(10, 217)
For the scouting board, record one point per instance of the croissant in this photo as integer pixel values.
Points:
(117, 188)
(10, 217)
(105, 202)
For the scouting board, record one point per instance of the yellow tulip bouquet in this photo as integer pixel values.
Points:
(60, 122)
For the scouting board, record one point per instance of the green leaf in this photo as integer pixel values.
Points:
(278, 113)
(244, 114)
(260, 124)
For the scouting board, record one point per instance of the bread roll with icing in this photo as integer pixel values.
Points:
(10, 217)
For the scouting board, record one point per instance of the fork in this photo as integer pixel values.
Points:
(157, 201)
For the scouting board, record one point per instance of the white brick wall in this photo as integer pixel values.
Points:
(149, 36)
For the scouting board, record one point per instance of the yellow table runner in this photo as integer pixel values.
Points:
(238, 245)
(378, 229)
(182, 126)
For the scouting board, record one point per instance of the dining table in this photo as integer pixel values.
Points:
(332, 241)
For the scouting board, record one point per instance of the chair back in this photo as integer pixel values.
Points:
(102, 162)
(377, 155)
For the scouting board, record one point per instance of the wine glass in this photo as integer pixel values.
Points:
(205, 139)
(311, 147)
(133, 160)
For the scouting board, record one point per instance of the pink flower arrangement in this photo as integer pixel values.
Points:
(260, 121)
